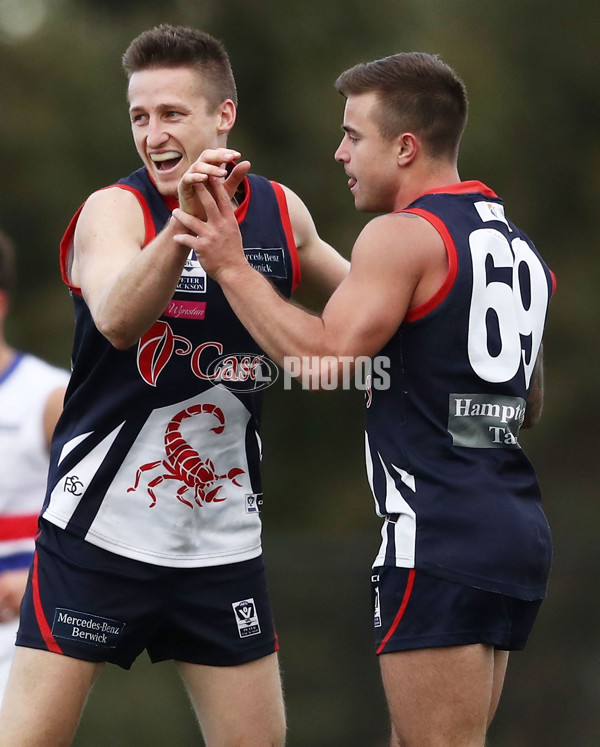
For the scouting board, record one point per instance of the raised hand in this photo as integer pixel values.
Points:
(215, 238)
(219, 163)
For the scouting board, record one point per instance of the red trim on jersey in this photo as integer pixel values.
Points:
(65, 249)
(289, 234)
(553, 276)
(242, 208)
(399, 615)
(417, 312)
(40, 615)
(18, 527)
(171, 202)
(462, 188)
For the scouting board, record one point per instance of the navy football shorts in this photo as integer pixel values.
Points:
(413, 610)
(87, 603)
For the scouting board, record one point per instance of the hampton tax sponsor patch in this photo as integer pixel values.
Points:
(485, 421)
(86, 628)
(269, 262)
(246, 617)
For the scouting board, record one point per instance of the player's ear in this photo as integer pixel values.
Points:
(408, 147)
(227, 114)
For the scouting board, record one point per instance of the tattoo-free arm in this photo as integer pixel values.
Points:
(126, 285)
(394, 260)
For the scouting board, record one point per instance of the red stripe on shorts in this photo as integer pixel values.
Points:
(40, 616)
(400, 614)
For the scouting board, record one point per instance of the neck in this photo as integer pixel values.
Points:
(428, 179)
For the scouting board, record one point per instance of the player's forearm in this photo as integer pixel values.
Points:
(281, 329)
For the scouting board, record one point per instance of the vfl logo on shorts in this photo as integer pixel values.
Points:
(85, 628)
(246, 618)
(376, 602)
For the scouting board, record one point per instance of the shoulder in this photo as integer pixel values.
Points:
(111, 209)
(399, 235)
(112, 197)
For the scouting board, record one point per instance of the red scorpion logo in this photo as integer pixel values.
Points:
(185, 464)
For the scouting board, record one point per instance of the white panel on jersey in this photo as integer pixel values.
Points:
(405, 527)
(70, 445)
(69, 491)
(181, 500)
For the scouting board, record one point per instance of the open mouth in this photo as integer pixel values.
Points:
(165, 161)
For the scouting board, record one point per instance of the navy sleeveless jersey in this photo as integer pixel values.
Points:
(459, 498)
(156, 455)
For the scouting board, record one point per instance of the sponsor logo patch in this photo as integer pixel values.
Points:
(193, 276)
(268, 262)
(242, 372)
(246, 617)
(186, 309)
(376, 603)
(254, 502)
(86, 628)
(485, 421)
(489, 211)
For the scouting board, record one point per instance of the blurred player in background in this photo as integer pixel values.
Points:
(448, 292)
(150, 536)
(31, 400)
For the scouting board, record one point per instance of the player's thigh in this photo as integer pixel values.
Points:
(44, 697)
(439, 696)
(241, 705)
(500, 666)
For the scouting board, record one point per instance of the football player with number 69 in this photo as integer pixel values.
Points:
(447, 288)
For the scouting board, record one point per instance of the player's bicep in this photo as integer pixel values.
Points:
(109, 234)
(372, 301)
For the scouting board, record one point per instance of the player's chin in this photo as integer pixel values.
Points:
(166, 183)
(361, 204)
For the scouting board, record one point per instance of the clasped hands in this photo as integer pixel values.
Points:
(206, 210)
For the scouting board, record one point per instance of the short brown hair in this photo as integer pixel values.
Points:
(7, 264)
(179, 46)
(417, 92)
